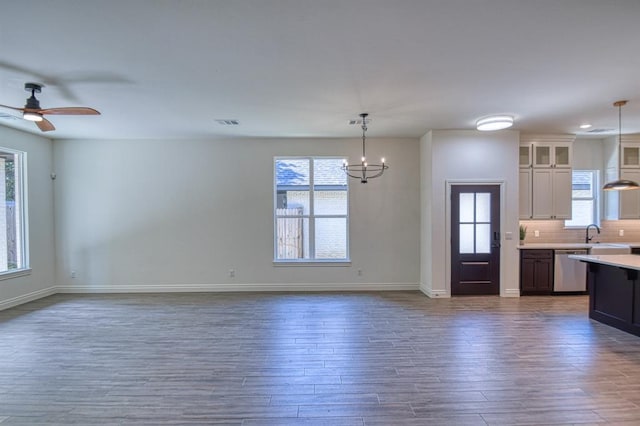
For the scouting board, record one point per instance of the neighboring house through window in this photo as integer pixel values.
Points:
(13, 249)
(584, 199)
(311, 209)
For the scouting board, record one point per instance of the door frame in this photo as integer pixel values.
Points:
(451, 182)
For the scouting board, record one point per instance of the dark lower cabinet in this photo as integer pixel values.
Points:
(536, 271)
(614, 297)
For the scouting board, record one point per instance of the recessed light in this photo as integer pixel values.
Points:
(585, 126)
(495, 122)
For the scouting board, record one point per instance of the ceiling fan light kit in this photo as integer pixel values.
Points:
(494, 122)
(620, 184)
(33, 112)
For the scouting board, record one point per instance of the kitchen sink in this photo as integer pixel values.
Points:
(610, 248)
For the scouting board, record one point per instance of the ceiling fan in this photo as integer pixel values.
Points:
(33, 112)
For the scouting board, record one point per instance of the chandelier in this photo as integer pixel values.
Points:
(364, 171)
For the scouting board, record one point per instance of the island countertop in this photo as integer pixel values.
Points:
(628, 261)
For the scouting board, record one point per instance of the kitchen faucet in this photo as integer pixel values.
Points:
(587, 238)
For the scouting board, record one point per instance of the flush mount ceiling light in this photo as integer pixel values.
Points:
(364, 171)
(585, 126)
(620, 184)
(495, 122)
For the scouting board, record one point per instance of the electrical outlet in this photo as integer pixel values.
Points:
(621, 232)
(232, 273)
(73, 274)
(359, 272)
(536, 233)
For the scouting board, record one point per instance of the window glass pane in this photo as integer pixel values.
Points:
(584, 193)
(483, 238)
(483, 207)
(294, 200)
(466, 207)
(466, 238)
(328, 172)
(331, 238)
(292, 172)
(582, 213)
(292, 240)
(330, 202)
(12, 243)
(582, 184)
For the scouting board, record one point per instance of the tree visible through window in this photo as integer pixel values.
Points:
(12, 232)
(584, 198)
(311, 209)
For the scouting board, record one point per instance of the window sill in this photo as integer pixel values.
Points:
(15, 273)
(305, 262)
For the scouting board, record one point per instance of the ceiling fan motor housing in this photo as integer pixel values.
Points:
(32, 102)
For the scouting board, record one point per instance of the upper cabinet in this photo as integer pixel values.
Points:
(623, 162)
(545, 176)
(551, 154)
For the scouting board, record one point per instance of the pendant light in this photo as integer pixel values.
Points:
(364, 171)
(620, 184)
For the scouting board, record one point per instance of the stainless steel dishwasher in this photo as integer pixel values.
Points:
(569, 275)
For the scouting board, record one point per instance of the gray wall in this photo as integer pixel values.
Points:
(41, 281)
(176, 215)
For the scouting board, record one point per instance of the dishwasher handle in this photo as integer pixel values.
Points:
(567, 252)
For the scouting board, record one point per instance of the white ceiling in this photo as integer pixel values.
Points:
(303, 68)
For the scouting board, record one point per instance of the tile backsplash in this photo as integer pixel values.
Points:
(553, 231)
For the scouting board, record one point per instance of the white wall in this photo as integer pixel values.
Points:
(459, 155)
(176, 215)
(40, 282)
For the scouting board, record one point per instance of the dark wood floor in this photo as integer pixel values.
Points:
(394, 358)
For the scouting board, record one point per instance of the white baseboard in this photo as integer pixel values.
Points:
(434, 294)
(236, 287)
(29, 297)
(511, 292)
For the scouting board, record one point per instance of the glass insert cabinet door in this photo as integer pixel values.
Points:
(475, 239)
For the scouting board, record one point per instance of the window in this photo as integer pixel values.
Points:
(13, 251)
(311, 209)
(584, 199)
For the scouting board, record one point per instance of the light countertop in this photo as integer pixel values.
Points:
(568, 246)
(628, 261)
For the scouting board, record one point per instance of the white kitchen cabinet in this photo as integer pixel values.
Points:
(551, 154)
(630, 157)
(545, 191)
(551, 194)
(525, 155)
(525, 193)
(629, 200)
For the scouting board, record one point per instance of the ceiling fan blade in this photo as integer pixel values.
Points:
(70, 111)
(45, 125)
(10, 107)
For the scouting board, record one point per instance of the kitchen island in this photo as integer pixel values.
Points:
(614, 290)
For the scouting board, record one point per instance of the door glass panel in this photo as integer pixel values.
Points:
(466, 207)
(483, 207)
(483, 238)
(466, 238)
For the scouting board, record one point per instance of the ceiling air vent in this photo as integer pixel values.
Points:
(228, 122)
(5, 116)
(600, 131)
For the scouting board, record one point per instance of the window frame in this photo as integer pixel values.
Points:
(595, 185)
(22, 214)
(311, 216)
